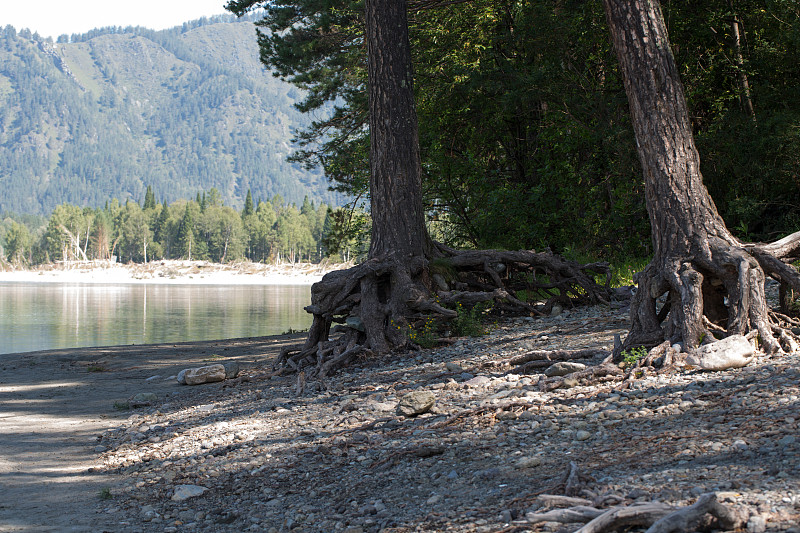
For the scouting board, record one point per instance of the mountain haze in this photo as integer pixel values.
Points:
(114, 110)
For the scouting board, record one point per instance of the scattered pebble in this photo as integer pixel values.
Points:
(346, 458)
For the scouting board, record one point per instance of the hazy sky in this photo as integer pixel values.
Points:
(56, 17)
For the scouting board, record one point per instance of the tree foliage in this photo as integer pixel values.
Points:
(205, 230)
(524, 126)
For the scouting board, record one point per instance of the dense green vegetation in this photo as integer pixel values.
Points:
(524, 125)
(200, 229)
(98, 116)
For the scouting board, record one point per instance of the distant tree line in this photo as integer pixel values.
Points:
(200, 229)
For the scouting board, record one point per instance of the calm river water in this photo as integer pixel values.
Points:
(43, 316)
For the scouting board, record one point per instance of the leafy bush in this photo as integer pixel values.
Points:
(633, 356)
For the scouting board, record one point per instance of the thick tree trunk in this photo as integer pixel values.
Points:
(378, 303)
(700, 271)
(398, 219)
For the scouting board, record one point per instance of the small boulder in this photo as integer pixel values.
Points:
(184, 492)
(415, 403)
(563, 368)
(204, 374)
(142, 399)
(731, 352)
(231, 369)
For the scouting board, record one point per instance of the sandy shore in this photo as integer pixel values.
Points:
(173, 272)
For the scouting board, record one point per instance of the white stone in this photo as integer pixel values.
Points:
(204, 374)
(564, 368)
(184, 492)
(731, 352)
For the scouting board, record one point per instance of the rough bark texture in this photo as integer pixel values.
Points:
(744, 85)
(398, 219)
(699, 268)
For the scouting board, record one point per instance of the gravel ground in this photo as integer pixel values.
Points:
(257, 456)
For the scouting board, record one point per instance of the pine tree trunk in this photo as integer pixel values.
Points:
(744, 85)
(398, 225)
(703, 271)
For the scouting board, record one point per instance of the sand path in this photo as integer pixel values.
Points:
(53, 404)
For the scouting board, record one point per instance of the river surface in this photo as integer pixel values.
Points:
(44, 316)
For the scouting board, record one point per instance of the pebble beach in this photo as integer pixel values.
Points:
(262, 455)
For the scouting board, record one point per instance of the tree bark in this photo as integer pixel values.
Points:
(698, 265)
(398, 219)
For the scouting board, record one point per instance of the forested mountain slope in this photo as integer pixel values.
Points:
(112, 111)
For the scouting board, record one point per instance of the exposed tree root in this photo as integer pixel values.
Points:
(656, 516)
(371, 308)
(602, 373)
(688, 518)
(534, 361)
(715, 292)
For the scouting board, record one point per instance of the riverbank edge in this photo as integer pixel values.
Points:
(177, 272)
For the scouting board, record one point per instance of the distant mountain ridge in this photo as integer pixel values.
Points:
(117, 109)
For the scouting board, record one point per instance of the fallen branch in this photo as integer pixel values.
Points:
(573, 481)
(596, 374)
(687, 518)
(633, 515)
(556, 500)
(547, 357)
(572, 515)
(656, 516)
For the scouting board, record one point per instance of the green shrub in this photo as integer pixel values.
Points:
(633, 356)
(468, 322)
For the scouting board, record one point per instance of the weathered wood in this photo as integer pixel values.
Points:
(572, 482)
(633, 515)
(572, 515)
(688, 518)
(550, 356)
(557, 500)
(595, 374)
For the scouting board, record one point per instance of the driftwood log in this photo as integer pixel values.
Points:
(657, 517)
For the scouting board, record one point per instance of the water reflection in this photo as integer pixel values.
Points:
(45, 316)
